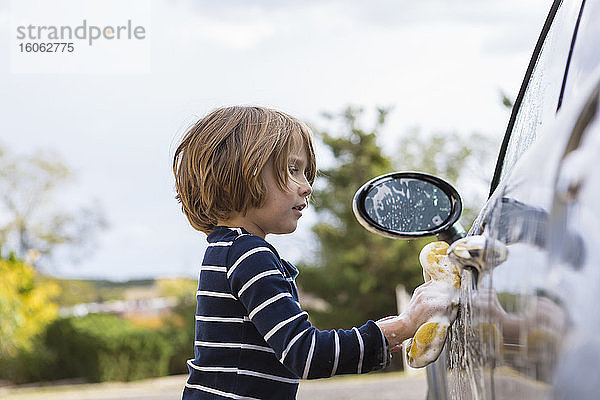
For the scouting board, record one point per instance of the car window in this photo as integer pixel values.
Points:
(543, 88)
(585, 57)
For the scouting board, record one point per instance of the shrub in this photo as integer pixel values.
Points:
(29, 365)
(179, 325)
(179, 328)
(101, 347)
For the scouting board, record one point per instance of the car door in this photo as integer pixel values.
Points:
(534, 316)
(507, 340)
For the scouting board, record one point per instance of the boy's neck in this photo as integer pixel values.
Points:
(238, 221)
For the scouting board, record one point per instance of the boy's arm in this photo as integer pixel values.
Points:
(258, 283)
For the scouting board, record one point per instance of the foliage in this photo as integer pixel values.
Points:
(181, 288)
(32, 221)
(77, 291)
(26, 307)
(358, 271)
(105, 347)
(506, 100)
(180, 324)
(73, 291)
(30, 365)
(100, 347)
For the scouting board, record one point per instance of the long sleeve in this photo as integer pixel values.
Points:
(253, 341)
(259, 280)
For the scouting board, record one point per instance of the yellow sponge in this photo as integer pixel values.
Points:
(425, 347)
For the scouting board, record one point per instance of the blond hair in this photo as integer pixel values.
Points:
(219, 161)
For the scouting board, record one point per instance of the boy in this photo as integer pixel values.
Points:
(242, 173)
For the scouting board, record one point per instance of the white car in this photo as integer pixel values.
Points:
(528, 325)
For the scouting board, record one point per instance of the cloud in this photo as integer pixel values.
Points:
(404, 13)
(238, 35)
(232, 25)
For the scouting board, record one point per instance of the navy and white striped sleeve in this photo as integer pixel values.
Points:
(255, 278)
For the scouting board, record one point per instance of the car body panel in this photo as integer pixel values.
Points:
(527, 328)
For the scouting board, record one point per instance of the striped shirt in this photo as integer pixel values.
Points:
(253, 341)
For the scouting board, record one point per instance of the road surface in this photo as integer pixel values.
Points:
(382, 386)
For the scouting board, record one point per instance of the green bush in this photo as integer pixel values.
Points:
(179, 328)
(29, 365)
(101, 347)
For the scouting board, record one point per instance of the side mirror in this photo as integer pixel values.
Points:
(408, 205)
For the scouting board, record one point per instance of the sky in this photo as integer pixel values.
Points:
(114, 110)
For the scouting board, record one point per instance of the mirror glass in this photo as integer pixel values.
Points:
(407, 205)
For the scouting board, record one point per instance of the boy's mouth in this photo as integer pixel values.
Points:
(299, 207)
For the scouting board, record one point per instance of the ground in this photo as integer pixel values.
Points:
(381, 386)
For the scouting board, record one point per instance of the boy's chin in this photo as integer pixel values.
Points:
(286, 230)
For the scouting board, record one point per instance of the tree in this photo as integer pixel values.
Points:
(358, 271)
(26, 307)
(462, 160)
(30, 219)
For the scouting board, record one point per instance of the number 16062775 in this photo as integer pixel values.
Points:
(49, 47)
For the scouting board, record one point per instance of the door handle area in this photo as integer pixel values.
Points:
(478, 253)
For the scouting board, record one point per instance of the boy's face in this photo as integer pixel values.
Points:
(281, 210)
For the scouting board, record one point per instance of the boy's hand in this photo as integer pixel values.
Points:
(427, 300)
(395, 329)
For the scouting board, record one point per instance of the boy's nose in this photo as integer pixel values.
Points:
(305, 189)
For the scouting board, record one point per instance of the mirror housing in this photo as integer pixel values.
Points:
(409, 205)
